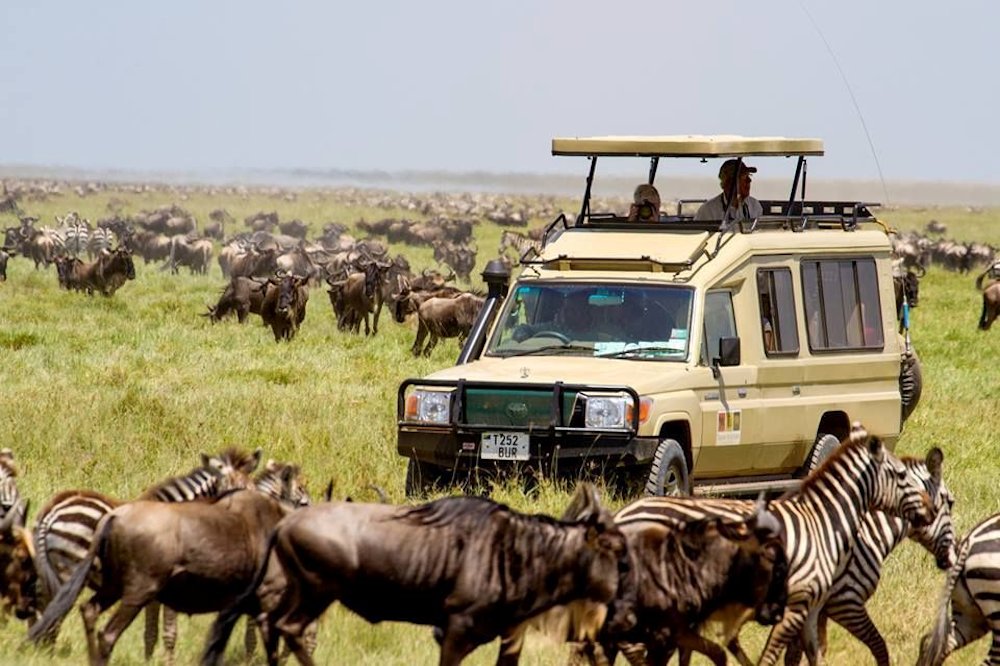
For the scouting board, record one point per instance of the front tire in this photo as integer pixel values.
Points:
(668, 475)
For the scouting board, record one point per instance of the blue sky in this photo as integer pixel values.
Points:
(460, 86)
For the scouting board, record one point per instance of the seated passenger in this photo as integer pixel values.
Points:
(743, 207)
(645, 204)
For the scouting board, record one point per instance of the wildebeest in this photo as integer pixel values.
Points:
(445, 318)
(108, 272)
(195, 253)
(471, 568)
(242, 295)
(18, 575)
(211, 555)
(991, 302)
(907, 286)
(284, 305)
(5, 254)
(358, 295)
(680, 575)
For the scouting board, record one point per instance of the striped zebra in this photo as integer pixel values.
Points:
(880, 534)
(970, 602)
(101, 240)
(280, 481)
(10, 497)
(74, 238)
(65, 527)
(822, 520)
(520, 243)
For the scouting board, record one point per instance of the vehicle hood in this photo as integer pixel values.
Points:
(643, 376)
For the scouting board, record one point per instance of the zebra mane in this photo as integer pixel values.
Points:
(858, 438)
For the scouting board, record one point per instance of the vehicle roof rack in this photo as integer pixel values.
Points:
(690, 145)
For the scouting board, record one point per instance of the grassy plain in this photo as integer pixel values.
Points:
(114, 394)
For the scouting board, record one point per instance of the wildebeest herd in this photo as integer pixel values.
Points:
(646, 581)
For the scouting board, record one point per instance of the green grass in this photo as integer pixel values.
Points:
(114, 394)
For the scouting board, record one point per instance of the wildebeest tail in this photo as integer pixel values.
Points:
(66, 597)
(225, 621)
(934, 644)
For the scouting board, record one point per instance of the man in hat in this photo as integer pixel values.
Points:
(645, 204)
(742, 207)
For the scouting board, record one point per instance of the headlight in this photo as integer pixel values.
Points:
(606, 411)
(429, 406)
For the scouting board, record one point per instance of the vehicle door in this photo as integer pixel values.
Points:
(729, 401)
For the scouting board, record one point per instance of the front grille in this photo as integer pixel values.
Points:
(514, 407)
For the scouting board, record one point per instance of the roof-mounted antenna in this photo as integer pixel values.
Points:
(850, 92)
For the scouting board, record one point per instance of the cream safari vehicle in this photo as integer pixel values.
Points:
(672, 355)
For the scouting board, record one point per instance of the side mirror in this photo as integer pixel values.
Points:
(729, 354)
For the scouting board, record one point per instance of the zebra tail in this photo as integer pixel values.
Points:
(225, 621)
(66, 597)
(934, 645)
(46, 572)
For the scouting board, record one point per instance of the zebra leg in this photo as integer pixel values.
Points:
(736, 650)
(169, 635)
(782, 634)
(857, 621)
(152, 629)
(993, 658)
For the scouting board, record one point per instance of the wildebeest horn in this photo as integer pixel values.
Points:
(921, 271)
(766, 524)
(328, 493)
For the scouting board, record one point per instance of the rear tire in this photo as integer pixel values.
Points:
(422, 477)
(824, 446)
(668, 475)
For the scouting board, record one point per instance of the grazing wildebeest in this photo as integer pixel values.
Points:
(242, 295)
(469, 567)
(18, 575)
(991, 302)
(284, 305)
(108, 273)
(445, 318)
(968, 606)
(66, 525)
(212, 553)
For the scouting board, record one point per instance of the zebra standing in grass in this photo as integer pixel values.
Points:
(279, 481)
(10, 497)
(970, 602)
(65, 527)
(880, 534)
(101, 240)
(822, 520)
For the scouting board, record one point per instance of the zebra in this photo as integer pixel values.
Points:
(880, 534)
(519, 242)
(65, 527)
(101, 240)
(822, 520)
(10, 497)
(280, 481)
(74, 237)
(970, 602)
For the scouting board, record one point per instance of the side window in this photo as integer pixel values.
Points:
(777, 312)
(842, 306)
(720, 322)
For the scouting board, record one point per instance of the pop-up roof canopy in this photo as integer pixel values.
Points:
(686, 146)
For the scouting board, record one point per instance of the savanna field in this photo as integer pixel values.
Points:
(114, 394)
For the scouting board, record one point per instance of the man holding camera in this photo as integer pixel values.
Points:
(645, 204)
(742, 207)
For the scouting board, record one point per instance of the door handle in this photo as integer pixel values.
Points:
(796, 390)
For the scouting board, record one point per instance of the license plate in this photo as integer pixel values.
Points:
(504, 446)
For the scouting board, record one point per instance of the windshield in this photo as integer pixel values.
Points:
(612, 321)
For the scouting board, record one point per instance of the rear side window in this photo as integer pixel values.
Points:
(842, 306)
(777, 312)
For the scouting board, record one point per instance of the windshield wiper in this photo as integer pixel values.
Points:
(549, 349)
(639, 350)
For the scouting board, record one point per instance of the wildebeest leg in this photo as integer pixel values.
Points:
(118, 623)
(298, 648)
(419, 342)
(510, 647)
(169, 635)
(456, 645)
(431, 344)
(694, 642)
(90, 612)
(152, 629)
(736, 650)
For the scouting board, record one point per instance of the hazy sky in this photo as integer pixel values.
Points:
(464, 85)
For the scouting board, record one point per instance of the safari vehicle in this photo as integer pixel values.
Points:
(672, 356)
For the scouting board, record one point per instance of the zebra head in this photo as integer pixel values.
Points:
(895, 490)
(939, 536)
(283, 482)
(232, 468)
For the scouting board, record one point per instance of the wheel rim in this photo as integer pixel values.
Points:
(671, 482)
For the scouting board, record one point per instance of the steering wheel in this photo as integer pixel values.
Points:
(553, 334)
